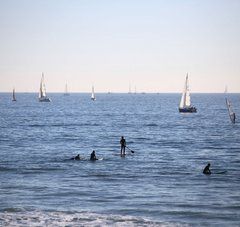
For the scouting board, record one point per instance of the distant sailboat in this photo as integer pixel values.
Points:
(185, 104)
(14, 96)
(66, 91)
(42, 93)
(226, 90)
(93, 97)
(230, 111)
(129, 89)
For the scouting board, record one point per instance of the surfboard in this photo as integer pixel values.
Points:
(220, 172)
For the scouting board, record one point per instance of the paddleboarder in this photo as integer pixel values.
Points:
(234, 117)
(123, 145)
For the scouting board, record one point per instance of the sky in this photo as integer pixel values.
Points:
(114, 44)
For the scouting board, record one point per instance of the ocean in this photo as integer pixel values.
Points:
(160, 184)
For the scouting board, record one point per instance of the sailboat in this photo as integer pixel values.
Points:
(14, 96)
(185, 104)
(42, 93)
(129, 89)
(230, 111)
(66, 91)
(93, 97)
(226, 89)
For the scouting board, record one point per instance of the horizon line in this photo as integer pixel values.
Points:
(112, 92)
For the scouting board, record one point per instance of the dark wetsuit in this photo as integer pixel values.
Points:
(123, 145)
(234, 118)
(207, 170)
(93, 156)
(77, 157)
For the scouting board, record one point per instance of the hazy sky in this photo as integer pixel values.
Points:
(150, 44)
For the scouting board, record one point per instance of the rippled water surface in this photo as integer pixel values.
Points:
(160, 184)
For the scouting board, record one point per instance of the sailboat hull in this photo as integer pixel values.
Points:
(44, 99)
(190, 109)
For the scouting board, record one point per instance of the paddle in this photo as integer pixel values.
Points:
(130, 149)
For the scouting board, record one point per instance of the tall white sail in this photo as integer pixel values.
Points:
(226, 89)
(66, 90)
(185, 100)
(42, 91)
(93, 94)
(129, 89)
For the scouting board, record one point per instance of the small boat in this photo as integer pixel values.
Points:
(231, 113)
(129, 89)
(42, 93)
(66, 93)
(226, 90)
(93, 97)
(185, 104)
(14, 96)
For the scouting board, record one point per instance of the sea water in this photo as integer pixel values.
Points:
(160, 184)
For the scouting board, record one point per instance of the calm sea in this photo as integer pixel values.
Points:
(160, 184)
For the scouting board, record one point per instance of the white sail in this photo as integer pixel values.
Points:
(93, 94)
(226, 89)
(66, 90)
(42, 92)
(185, 100)
(129, 89)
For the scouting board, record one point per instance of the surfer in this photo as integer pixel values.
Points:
(207, 170)
(93, 156)
(123, 145)
(76, 157)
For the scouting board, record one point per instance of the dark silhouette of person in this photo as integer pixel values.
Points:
(234, 117)
(207, 170)
(77, 157)
(123, 145)
(93, 156)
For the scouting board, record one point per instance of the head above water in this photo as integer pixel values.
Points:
(208, 164)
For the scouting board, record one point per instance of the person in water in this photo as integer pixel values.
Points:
(123, 145)
(93, 156)
(207, 169)
(77, 157)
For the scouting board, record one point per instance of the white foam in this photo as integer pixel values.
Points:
(57, 218)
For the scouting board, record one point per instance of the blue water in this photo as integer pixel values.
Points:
(161, 184)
